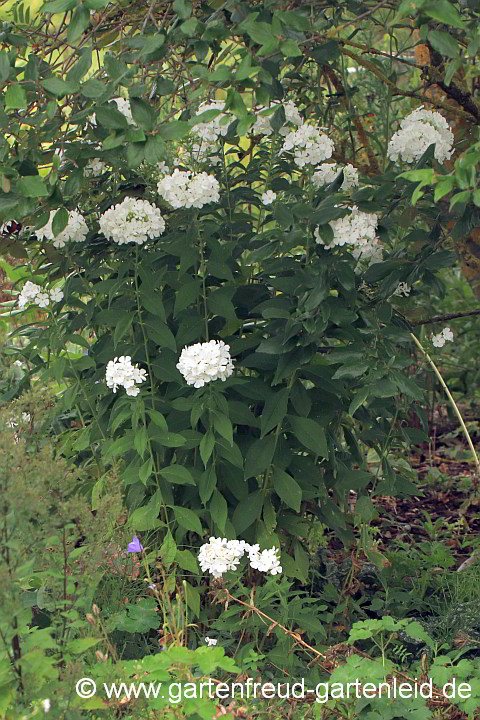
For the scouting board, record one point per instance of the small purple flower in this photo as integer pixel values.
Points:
(135, 546)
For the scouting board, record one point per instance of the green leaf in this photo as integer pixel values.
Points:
(140, 440)
(351, 370)
(78, 24)
(135, 154)
(247, 511)
(60, 221)
(187, 519)
(32, 186)
(5, 66)
(168, 550)
(443, 43)
(82, 66)
(143, 114)
(207, 443)
(207, 484)
(174, 130)
(274, 411)
(287, 489)
(259, 456)
(290, 48)
(93, 88)
(119, 447)
(218, 510)
(310, 434)
(445, 12)
(57, 6)
(122, 327)
(223, 426)
(80, 645)
(187, 561)
(15, 98)
(182, 8)
(110, 117)
(177, 474)
(146, 517)
(58, 87)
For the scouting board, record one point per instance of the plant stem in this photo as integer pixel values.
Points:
(453, 404)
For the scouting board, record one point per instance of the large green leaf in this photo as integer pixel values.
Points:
(310, 434)
(287, 489)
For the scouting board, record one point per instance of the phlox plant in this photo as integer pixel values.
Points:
(223, 316)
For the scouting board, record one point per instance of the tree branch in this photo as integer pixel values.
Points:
(441, 318)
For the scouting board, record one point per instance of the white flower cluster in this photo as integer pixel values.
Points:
(327, 173)
(95, 168)
(356, 229)
(132, 220)
(205, 362)
(309, 145)
(268, 197)
(75, 231)
(220, 555)
(211, 642)
(403, 288)
(263, 124)
(440, 339)
(32, 293)
(185, 189)
(121, 373)
(265, 561)
(417, 132)
(368, 254)
(209, 132)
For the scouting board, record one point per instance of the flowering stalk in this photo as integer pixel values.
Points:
(453, 404)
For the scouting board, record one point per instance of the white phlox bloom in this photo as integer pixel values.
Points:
(309, 145)
(132, 220)
(440, 339)
(268, 197)
(210, 131)
(121, 373)
(417, 132)
(205, 362)
(357, 229)
(46, 705)
(220, 555)
(265, 561)
(95, 168)
(327, 172)
(185, 189)
(403, 288)
(211, 642)
(263, 124)
(75, 231)
(32, 293)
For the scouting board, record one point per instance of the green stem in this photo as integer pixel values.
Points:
(452, 402)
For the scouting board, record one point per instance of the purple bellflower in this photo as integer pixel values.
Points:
(135, 546)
